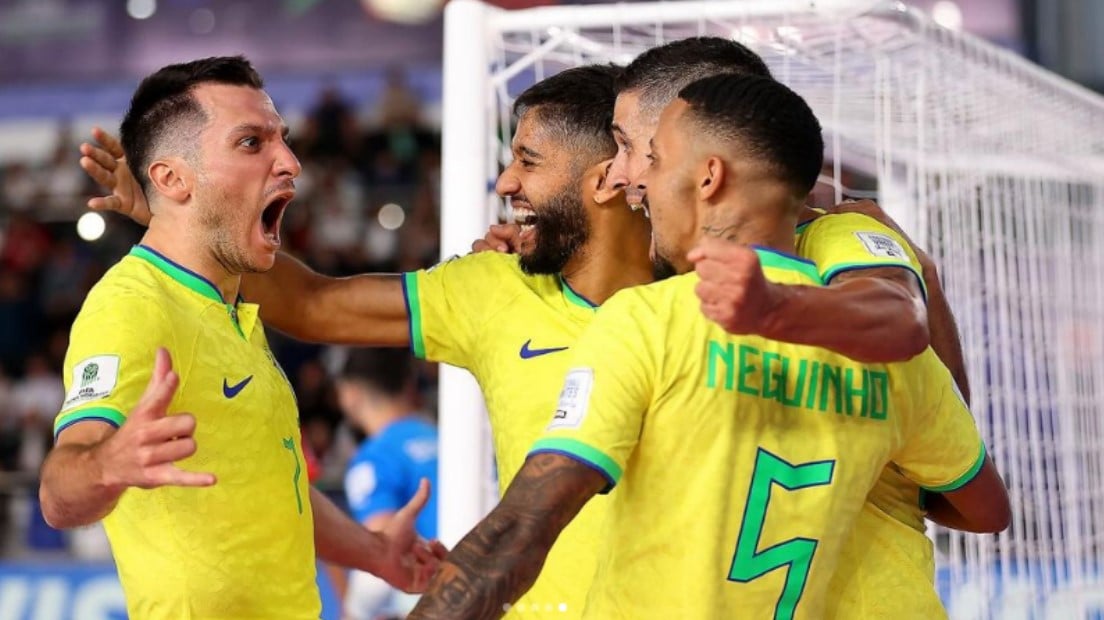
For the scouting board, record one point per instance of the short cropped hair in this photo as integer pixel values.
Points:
(661, 72)
(577, 104)
(163, 107)
(763, 118)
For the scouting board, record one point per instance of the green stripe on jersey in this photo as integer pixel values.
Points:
(583, 452)
(414, 309)
(775, 260)
(962, 480)
(190, 280)
(112, 416)
(842, 267)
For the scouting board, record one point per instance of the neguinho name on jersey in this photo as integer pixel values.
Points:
(799, 383)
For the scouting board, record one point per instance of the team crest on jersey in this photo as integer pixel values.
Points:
(880, 244)
(574, 399)
(93, 379)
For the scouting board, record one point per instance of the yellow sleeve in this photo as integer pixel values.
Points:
(848, 241)
(109, 362)
(449, 303)
(600, 412)
(942, 448)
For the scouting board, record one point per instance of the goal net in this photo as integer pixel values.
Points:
(993, 165)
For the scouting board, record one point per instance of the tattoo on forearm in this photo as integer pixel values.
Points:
(500, 559)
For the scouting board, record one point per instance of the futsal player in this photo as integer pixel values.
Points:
(194, 465)
(741, 462)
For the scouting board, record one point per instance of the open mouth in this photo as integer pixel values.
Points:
(525, 218)
(272, 215)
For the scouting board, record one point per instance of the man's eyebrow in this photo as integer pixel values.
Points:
(529, 153)
(615, 128)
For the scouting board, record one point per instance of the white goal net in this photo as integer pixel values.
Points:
(995, 166)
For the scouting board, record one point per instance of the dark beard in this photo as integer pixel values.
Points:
(562, 228)
(662, 268)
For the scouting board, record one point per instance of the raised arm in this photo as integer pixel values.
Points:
(873, 315)
(93, 463)
(499, 560)
(366, 309)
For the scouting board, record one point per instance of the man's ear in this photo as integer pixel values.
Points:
(713, 176)
(597, 182)
(172, 178)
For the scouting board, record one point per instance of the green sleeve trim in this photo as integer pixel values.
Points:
(837, 269)
(581, 452)
(414, 313)
(962, 480)
(779, 260)
(104, 414)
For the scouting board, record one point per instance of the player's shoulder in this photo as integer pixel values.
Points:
(127, 290)
(786, 268)
(477, 264)
(653, 298)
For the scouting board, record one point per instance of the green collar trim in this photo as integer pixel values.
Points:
(573, 297)
(181, 274)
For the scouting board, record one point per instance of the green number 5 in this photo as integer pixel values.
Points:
(749, 563)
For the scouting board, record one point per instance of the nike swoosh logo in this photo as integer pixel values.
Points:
(230, 391)
(527, 353)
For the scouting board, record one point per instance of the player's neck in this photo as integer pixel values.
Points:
(615, 257)
(764, 218)
(187, 251)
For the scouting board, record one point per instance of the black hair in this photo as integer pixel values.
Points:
(163, 106)
(578, 104)
(390, 371)
(766, 119)
(661, 72)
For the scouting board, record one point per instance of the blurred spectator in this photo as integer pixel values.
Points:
(398, 106)
(330, 127)
(66, 275)
(26, 243)
(19, 320)
(36, 399)
(377, 390)
(18, 188)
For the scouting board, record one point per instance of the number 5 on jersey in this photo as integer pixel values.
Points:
(748, 562)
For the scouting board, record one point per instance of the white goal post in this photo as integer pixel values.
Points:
(992, 164)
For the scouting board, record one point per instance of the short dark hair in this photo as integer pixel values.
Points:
(578, 104)
(661, 72)
(390, 371)
(163, 105)
(764, 118)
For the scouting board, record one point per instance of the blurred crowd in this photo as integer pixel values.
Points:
(368, 200)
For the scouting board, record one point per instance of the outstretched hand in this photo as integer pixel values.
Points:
(411, 562)
(143, 452)
(105, 162)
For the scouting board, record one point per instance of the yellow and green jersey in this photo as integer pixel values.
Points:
(890, 551)
(513, 332)
(243, 548)
(741, 463)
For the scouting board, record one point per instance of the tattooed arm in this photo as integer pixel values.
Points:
(499, 560)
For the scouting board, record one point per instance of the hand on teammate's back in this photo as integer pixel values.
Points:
(499, 238)
(143, 452)
(733, 291)
(105, 162)
(411, 562)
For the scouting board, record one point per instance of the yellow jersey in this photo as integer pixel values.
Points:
(889, 550)
(741, 463)
(243, 548)
(513, 332)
